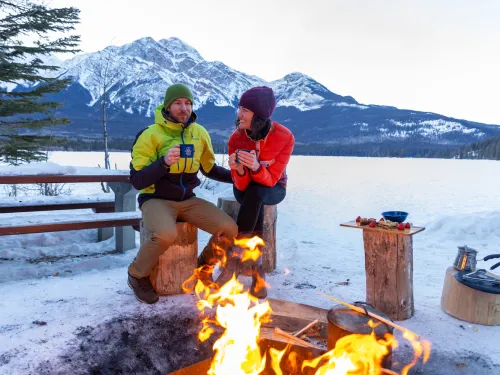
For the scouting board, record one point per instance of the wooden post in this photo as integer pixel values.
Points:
(125, 201)
(389, 273)
(471, 305)
(389, 269)
(177, 263)
(104, 234)
(231, 206)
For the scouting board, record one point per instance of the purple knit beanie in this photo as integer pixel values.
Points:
(260, 100)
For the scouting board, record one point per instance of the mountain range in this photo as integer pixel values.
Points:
(136, 75)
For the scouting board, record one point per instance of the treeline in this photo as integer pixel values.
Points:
(489, 149)
(84, 144)
(401, 150)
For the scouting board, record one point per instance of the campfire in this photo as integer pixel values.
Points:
(241, 350)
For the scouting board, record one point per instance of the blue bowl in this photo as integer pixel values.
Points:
(396, 216)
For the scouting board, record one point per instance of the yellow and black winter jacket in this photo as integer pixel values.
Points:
(153, 178)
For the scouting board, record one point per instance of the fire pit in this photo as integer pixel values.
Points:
(244, 350)
(290, 368)
(299, 352)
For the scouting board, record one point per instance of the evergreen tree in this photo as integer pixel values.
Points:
(25, 111)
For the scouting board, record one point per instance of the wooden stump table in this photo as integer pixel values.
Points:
(389, 269)
(177, 263)
(466, 303)
(231, 206)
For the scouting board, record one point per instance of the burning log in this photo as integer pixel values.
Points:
(293, 339)
(177, 263)
(232, 207)
(292, 323)
(310, 325)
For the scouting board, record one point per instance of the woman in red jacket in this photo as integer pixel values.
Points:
(259, 151)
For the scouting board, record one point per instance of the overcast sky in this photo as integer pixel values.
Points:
(440, 56)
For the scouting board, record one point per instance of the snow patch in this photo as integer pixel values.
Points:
(43, 168)
(343, 104)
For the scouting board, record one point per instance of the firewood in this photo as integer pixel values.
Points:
(293, 339)
(310, 325)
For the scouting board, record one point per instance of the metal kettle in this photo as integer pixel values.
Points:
(466, 259)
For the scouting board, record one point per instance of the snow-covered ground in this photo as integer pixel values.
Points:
(57, 288)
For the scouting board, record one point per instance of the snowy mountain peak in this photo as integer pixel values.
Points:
(179, 48)
(301, 91)
(145, 41)
(296, 76)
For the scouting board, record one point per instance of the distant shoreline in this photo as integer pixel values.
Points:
(488, 149)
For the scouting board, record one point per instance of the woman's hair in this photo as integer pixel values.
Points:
(258, 129)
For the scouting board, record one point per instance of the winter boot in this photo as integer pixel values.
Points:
(204, 274)
(231, 268)
(258, 288)
(206, 257)
(143, 289)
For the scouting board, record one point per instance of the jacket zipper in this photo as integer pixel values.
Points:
(185, 162)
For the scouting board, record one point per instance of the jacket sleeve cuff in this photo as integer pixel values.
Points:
(258, 170)
(167, 167)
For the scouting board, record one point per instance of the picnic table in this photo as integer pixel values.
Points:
(123, 216)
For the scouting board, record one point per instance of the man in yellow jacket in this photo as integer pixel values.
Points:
(166, 158)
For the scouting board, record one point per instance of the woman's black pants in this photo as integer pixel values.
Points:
(251, 215)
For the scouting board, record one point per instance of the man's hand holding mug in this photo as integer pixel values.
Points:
(173, 155)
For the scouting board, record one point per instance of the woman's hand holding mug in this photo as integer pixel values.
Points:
(248, 159)
(233, 164)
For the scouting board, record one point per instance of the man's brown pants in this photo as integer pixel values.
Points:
(160, 218)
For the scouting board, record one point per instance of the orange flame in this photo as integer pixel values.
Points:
(202, 274)
(248, 251)
(220, 254)
(252, 252)
(421, 348)
(250, 248)
(240, 314)
(276, 358)
(353, 354)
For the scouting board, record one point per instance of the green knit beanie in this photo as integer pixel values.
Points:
(175, 92)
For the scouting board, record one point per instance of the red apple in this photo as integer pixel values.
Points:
(358, 219)
(381, 219)
(372, 224)
(401, 226)
(407, 225)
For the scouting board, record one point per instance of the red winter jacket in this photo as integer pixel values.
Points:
(273, 153)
